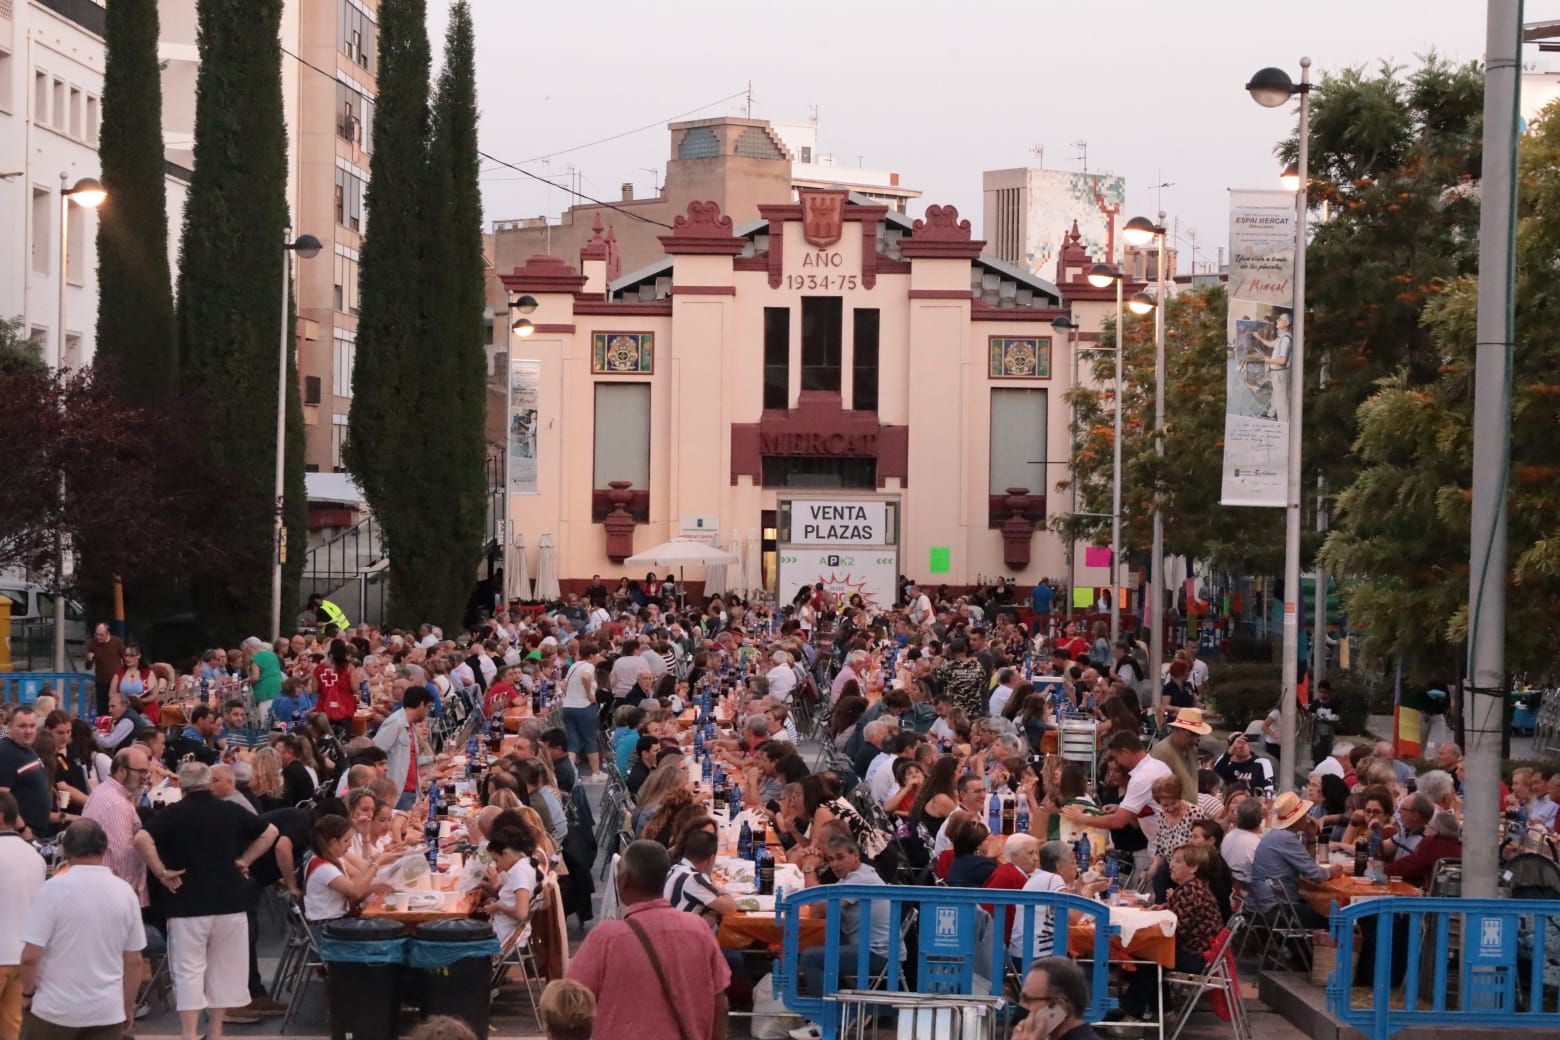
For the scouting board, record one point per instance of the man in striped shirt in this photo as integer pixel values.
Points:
(113, 806)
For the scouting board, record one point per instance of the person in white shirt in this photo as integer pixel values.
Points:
(598, 616)
(782, 677)
(920, 608)
(511, 849)
(627, 669)
(1546, 807)
(1058, 872)
(21, 875)
(880, 772)
(1137, 804)
(1240, 844)
(1004, 690)
(1336, 764)
(331, 888)
(82, 943)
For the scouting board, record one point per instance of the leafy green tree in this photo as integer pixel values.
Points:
(231, 268)
(389, 445)
(1240, 540)
(1393, 159)
(1404, 528)
(136, 342)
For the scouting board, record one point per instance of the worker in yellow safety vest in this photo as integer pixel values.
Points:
(327, 613)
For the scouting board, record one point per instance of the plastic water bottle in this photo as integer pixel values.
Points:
(205, 690)
(1082, 853)
(471, 756)
(1113, 875)
(994, 813)
(709, 768)
(736, 800)
(745, 841)
(1021, 818)
(698, 740)
(363, 691)
(431, 828)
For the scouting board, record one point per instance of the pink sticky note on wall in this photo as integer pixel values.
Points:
(1096, 556)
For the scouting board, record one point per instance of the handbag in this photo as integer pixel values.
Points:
(660, 974)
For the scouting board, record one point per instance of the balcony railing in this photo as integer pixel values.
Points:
(91, 16)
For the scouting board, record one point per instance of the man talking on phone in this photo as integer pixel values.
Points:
(1055, 995)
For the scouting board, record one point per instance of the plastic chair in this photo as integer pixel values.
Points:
(1217, 977)
(523, 955)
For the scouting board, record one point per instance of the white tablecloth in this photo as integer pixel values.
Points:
(1130, 919)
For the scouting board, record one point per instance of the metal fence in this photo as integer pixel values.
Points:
(945, 941)
(1446, 962)
(75, 692)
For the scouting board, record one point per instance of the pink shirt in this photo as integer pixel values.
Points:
(110, 805)
(631, 1005)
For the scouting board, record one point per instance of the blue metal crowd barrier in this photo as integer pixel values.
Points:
(955, 939)
(75, 692)
(1505, 954)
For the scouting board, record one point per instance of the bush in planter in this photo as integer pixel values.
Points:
(1243, 691)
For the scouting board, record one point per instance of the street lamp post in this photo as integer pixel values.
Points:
(1101, 275)
(1140, 231)
(308, 247)
(524, 328)
(1271, 88)
(1069, 328)
(88, 193)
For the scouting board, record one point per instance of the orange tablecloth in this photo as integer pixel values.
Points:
(375, 907)
(1344, 890)
(739, 931)
(514, 716)
(1148, 944)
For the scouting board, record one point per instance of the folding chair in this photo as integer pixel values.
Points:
(1218, 977)
(1285, 929)
(304, 950)
(522, 955)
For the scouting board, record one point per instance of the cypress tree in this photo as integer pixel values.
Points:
(135, 333)
(394, 444)
(455, 382)
(230, 273)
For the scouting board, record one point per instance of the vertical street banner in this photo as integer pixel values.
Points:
(1261, 301)
(525, 379)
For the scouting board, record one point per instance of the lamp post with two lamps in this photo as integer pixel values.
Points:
(1270, 88)
(88, 192)
(307, 247)
(1140, 231)
(522, 327)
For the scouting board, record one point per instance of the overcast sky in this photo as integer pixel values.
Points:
(938, 91)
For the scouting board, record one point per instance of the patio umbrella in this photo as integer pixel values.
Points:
(736, 573)
(687, 552)
(520, 581)
(755, 565)
(547, 570)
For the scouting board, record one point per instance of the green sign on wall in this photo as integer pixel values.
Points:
(940, 562)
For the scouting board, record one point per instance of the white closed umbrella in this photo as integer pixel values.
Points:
(520, 581)
(686, 552)
(736, 573)
(547, 570)
(755, 565)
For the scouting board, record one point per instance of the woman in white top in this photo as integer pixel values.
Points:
(511, 849)
(579, 709)
(782, 677)
(329, 890)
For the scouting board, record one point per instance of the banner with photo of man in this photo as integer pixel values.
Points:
(525, 379)
(1261, 297)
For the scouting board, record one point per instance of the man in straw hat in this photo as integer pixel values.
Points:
(1179, 749)
(1281, 859)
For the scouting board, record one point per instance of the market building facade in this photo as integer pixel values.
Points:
(834, 390)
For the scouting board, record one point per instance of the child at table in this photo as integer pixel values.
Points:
(330, 891)
(511, 849)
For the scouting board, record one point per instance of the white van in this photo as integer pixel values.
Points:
(32, 625)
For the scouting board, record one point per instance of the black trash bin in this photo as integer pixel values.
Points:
(455, 962)
(363, 957)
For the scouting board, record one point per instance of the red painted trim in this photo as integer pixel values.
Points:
(941, 294)
(555, 327)
(751, 263)
(983, 313)
(887, 266)
(672, 245)
(544, 274)
(640, 307)
(704, 290)
(777, 246)
(821, 413)
(869, 254)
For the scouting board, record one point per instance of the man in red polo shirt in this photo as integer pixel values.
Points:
(668, 977)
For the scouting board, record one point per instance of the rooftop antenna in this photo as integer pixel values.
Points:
(1160, 190)
(750, 99)
(1038, 151)
(655, 178)
(1081, 152)
(813, 114)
